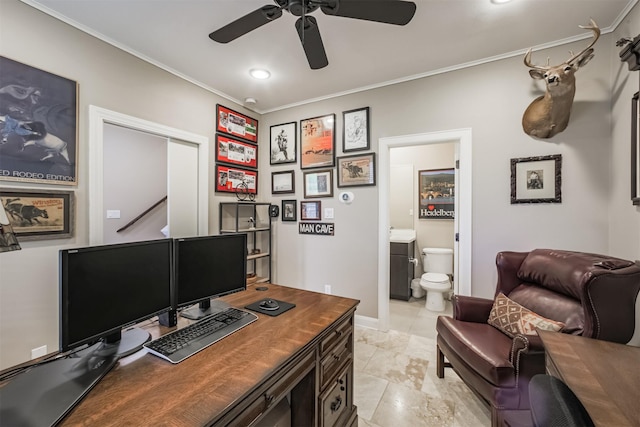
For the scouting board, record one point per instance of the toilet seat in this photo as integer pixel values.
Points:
(435, 278)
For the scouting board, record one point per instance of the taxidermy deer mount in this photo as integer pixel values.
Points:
(549, 114)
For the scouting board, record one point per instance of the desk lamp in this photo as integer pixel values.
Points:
(8, 240)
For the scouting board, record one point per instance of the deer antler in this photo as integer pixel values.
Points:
(596, 35)
(528, 63)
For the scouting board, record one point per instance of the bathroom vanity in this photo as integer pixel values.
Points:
(401, 266)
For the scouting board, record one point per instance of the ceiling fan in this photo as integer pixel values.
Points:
(397, 12)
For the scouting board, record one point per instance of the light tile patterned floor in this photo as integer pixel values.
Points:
(395, 379)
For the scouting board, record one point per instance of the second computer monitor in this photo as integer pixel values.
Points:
(208, 267)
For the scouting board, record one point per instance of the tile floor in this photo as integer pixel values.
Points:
(395, 375)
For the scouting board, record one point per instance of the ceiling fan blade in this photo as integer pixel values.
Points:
(396, 12)
(312, 42)
(245, 24)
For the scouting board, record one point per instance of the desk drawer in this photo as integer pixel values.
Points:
(335, 359)
(336, 400)
(339, 332)
(264, 399)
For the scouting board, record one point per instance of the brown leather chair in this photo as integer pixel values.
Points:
(593, 295)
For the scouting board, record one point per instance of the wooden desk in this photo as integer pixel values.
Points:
(306, 353)
(604, 375)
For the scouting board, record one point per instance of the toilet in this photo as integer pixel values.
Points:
(438, 267)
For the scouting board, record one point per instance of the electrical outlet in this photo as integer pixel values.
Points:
(113, 214)
(38, 352)
(327, 289)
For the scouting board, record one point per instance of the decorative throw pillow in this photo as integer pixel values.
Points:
(513, 319)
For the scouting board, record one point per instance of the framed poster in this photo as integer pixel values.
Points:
(236, 152)
(236, 124)
(357, 170)
(355, 130)
(318, 184)
(228, 180)
(38, 125)
(310, 211)
(283, 143)
(436, 192)
(39, 214)
(283, 182)
(317, 142)
(536, 179)
(635, 151)
(289, 210)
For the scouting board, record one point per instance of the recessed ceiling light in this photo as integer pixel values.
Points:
(250, 101)
(500, 1)
(258, 73)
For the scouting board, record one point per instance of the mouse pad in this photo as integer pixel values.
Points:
(283, 306)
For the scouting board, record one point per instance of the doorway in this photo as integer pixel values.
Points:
(462, 221)
(185, 151)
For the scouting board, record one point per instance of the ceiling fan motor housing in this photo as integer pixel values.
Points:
(298, 7)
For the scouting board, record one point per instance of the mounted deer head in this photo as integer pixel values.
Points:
(549, 114)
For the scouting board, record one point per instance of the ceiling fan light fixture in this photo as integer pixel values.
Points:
(259, 73)
(250, 101)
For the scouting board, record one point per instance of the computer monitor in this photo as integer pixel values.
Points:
(208, 267)
(104, 289)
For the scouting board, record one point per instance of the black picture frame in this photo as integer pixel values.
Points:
(355, 130)
(39, 214)
(39, 140)
(289, 211)
(318, 142)
(283, 182)
(635, 150)
(284, 143)
(236, 152)
(356, 170)
(536, 179)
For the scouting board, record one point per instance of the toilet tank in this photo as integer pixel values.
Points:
(438, 260)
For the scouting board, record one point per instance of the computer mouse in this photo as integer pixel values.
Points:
(269, 304)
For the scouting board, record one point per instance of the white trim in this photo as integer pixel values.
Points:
(97, 119)
(461, 137)
(366, 322)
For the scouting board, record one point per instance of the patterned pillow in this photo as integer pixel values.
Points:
(513, 319)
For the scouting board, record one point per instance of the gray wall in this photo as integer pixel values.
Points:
(109, 78)
(595, 215)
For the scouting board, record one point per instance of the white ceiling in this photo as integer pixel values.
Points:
(443, 35)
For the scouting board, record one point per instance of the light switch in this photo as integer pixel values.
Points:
(328, 213)
(113, 214)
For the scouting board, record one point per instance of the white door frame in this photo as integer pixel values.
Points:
(462, 139)
(98, 117)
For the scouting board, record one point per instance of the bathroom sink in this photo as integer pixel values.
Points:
(402, 235)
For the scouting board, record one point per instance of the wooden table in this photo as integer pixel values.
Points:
(305, 353)
(605, 376)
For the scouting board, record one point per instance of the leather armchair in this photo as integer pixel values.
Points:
(593, 295)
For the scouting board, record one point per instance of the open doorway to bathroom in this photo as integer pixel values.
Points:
(460, 139)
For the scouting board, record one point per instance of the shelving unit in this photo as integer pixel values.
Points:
(253, 219)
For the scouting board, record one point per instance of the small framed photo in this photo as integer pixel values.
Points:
(317, 142)
(283, 182)
(289, 210)
(236, 124)
(310, 211)
(283, 143)
(355, 130)
(357, 170)
(536, 179)
(635, 151)
(236, 152)
(39, 214)
(318, 184)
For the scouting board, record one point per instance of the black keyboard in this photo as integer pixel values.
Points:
(178, 345)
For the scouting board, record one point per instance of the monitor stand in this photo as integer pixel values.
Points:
(127, 342)
(204, 308)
